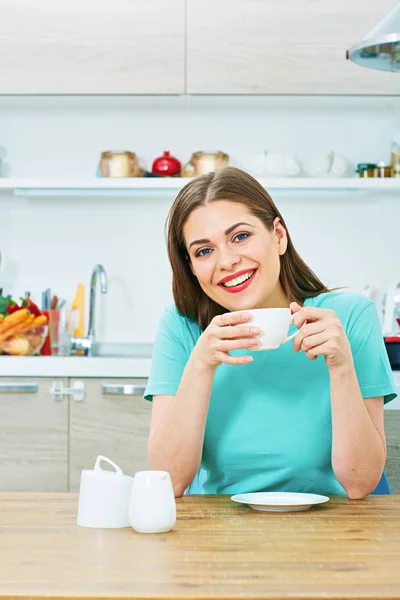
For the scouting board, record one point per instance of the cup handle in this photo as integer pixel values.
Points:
(100, 459)
(290, 337)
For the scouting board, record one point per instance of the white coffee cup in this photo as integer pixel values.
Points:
(274, 325)
(152, 507)
(104, 497)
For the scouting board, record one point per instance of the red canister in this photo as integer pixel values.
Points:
(166, 165)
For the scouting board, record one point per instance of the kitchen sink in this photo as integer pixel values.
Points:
(123, 350)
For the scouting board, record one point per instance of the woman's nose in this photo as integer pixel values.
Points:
(227, 259)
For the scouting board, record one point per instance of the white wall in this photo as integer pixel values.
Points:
(348, 239)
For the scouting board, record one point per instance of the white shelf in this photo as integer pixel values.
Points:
(129, 186)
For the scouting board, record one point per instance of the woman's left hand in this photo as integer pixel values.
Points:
(321, 332)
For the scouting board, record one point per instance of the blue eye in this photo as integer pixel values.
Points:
(241, 236)
(203, 252)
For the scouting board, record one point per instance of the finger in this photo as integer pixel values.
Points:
(314, 341)
(310, 313)
(233, 360)
(233, 332)
(316, 351)
(227, 345)
(294, 307)
(306, 330)
(231, 318)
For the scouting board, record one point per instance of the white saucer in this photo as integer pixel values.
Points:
(279, 501)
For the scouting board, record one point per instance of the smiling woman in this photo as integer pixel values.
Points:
(255, 238)
(306, 417)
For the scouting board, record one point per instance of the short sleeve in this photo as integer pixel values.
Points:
(170, 356)
(371, 361)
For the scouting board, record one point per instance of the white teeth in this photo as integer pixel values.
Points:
(238, 280)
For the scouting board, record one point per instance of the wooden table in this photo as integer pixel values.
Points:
(217, 549)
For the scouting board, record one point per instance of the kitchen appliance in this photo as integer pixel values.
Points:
(392, 344)
(166, 165)
(380, 49)
(119, 163)
(205, 162)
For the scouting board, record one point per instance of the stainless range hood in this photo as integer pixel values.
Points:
(380, 49)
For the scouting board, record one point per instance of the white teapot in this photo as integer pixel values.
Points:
(104, 497)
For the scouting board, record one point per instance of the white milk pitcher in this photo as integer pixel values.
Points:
(104, 497)
(152, 506)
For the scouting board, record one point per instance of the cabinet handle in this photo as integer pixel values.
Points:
(18, 388)
(77, 390)
(122, 390)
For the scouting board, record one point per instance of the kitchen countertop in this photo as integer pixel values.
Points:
(344, 549)
(42, 366)
(73, 366)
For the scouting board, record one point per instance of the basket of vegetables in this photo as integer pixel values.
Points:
(23, 327)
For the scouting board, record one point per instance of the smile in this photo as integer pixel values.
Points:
(239, 283)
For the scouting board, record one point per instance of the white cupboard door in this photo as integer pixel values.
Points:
(91, 47)
(282, 47)
(33, 436)
(113, 420)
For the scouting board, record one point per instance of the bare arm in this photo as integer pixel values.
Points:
(358, 437)
(178, 422)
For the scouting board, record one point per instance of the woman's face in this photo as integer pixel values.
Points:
(234, 257)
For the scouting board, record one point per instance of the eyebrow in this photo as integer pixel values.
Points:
(227, 232)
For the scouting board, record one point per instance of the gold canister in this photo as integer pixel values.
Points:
(119, 163)
(395, 160)
(204, 162)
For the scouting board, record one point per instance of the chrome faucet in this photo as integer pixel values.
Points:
(98, 271)
(85, 346)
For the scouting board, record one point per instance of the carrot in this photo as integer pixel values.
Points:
(30, 322)
(39, 321)
(1, 317)
(14, 318)
(6, 333)
(24, 325)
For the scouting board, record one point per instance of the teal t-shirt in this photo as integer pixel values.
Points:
(269, 422)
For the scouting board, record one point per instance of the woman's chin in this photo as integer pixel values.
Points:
(241, 304)
(245, 300)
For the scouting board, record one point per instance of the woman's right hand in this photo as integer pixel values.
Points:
(222, 335)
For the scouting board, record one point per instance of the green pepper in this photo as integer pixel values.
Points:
(3, 305)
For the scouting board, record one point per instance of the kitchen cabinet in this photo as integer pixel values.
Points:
(112, 420)
(392, 428)
(75, 47)
(281, 47)
(50, 430)
(33, 436)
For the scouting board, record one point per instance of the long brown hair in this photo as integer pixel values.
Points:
(297, 279)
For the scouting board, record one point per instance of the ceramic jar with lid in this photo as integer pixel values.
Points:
(166, 165)
(119, 163)
(201, 163)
